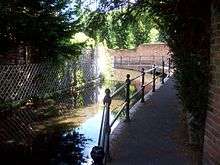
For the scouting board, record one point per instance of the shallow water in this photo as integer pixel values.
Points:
(65, 137)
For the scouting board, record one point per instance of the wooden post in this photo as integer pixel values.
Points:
(142, 85)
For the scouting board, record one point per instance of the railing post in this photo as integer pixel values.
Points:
(154, 79)
(169, 64)
(128, 82)
(97, 155)
(107, 102)
(100, 153)
(142, 85)
(163, 75)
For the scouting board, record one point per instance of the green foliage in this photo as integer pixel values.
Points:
(52, 111)
(9, 105)
(120, 28)
(185, 26)
(44, 26)
(186, 31)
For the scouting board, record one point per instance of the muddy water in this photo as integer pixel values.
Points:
(67, 137)
(81, 127)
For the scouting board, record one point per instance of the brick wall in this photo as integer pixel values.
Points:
(14, 56)
(147, 50)
(21, 54)
(212, 130)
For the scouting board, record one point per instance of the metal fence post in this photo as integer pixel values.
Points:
(97, 155)
(142, 85)
(100, 153)
(107, 129)
(154, 79)
(128, 82)
(163, 74)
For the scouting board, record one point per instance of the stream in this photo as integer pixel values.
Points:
(67, 137)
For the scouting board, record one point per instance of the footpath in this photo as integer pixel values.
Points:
(156, 134)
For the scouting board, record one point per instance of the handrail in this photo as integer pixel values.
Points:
(101, 127)
(149, 70)
(136, 77)
(118, 90)
(117, 115)
(100, 154)
(135, 94)
(124, 84)
(148, 83)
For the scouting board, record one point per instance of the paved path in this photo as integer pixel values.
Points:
(154, 136)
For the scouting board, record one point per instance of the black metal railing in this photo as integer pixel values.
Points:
(100, 154)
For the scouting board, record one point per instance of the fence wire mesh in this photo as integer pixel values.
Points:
(18, 82)
(34, 93)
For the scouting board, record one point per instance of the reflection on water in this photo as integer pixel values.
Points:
(60, 130)
(63, 134)
(58, 147)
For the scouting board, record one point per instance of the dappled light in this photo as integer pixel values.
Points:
(132, 81)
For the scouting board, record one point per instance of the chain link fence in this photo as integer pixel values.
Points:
(19, 82)
(34, 93)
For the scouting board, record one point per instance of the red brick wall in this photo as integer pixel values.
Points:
(212, 131)
(22, 54)
(15, 56)
(149, 50)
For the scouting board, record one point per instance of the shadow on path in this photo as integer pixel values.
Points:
(156, 134)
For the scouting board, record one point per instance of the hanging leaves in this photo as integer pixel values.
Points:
(120, 28)
(45, 26)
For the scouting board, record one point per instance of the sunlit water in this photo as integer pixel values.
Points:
(68, 139)
(84, 122)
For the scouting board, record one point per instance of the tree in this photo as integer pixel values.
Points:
(185, 26)
(120, 27)
(43, 26)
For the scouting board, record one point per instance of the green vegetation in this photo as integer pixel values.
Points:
(8, 105)
(185, 26)
(187, 32)
(43, 27)
(120, 28)
(58, 29)
(47, 26)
